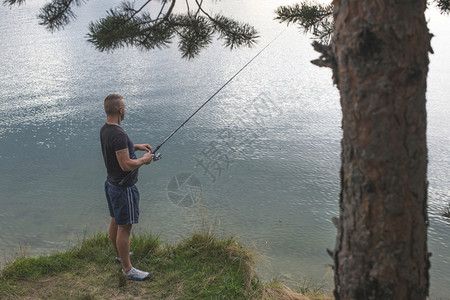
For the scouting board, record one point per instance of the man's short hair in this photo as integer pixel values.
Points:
(112, 104)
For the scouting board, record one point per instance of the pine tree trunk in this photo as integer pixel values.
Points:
(380, 50)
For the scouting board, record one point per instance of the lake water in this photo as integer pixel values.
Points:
(259, 162)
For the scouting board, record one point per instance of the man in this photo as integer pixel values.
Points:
(123, 197)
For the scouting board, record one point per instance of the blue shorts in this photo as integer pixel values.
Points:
(123, 203)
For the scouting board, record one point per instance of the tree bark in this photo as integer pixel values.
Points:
(380, 64)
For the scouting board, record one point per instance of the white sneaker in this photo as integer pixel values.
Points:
(136, 274)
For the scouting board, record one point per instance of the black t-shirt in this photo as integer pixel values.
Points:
(114, 138)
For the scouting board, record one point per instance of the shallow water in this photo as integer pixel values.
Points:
(260, 162)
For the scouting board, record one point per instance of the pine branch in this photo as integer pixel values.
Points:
(307, 15)
(119, 30)
(127, 26)
(58, 13)
(195, 33)
(312, 18)
(13, 2)
(123, 27)
(443, 5)
(234, 33)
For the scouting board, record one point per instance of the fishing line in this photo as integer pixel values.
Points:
(158, 156)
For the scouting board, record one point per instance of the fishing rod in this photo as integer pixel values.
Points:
(158, 156)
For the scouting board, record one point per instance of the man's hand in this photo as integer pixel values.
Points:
(143, 147)
(128, 164)
(148, 157)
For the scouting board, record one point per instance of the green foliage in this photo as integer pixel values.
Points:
(317, 19)
(206, 267)
(310, 289)
(94, 250)
(234, 33)
(444, 6)
(13, 2)
(58, 13)
(194, 33)
(128, 26)
(123, 27)
(200, 267)
(118, 29)
(35, 268)
(314, 18)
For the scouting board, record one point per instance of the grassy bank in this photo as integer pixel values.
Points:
(201, 267)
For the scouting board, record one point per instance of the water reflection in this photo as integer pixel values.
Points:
(275, 131)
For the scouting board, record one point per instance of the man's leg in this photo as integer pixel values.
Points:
(113, 227)
(123, 245)
(124, 209)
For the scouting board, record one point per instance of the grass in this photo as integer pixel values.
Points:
(313, 291)
(200, 267)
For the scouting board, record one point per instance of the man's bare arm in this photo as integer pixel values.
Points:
(128, 164)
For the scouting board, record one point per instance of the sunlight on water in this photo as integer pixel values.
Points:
(263, 156)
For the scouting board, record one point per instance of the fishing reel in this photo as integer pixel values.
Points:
(157, 157)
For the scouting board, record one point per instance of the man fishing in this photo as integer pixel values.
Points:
(121, 192)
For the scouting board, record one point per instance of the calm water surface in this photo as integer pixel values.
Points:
(260, 162)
